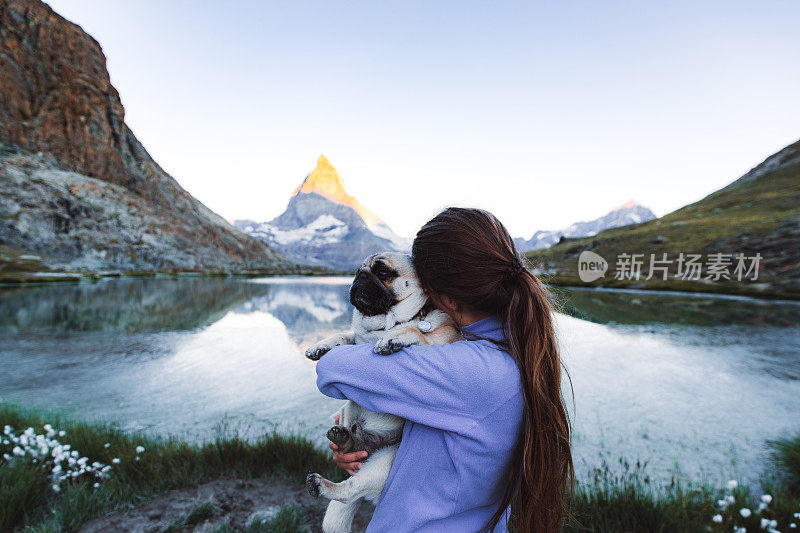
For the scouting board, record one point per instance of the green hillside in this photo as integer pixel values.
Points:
(757, 214)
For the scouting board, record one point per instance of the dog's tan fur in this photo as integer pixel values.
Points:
(391, 330)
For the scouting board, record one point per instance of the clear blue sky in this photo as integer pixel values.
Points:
(543, 112)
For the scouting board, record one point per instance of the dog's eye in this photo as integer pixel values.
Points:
(382, 272)
(354, 428)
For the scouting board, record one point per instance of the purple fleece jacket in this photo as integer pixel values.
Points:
(463, 405)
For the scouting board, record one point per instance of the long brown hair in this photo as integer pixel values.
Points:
(468, 255)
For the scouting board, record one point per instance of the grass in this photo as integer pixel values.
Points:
(616, 499)
(289, 519)
(631, 501)
(761, 215)
(196, 515)
(22, 488)
(26, 499)
(786, 458)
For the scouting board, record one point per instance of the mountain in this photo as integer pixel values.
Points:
(627, 213)
(77, 188)
(325, 226)
(758, 213)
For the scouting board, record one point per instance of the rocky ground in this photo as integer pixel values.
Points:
(235, 502)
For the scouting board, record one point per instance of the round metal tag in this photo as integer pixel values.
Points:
(424, 326)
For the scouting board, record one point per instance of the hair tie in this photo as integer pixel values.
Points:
(514, 270)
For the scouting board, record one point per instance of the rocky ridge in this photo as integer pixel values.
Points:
(77, 188)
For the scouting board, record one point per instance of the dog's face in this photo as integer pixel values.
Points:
(383, 280)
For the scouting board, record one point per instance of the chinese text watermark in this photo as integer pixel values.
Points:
(690, 267)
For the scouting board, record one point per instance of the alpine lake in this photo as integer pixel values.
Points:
(686, 385)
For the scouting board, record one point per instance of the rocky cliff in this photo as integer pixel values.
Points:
(325, 226)
(76, 186)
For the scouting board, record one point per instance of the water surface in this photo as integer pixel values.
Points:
(686, 382)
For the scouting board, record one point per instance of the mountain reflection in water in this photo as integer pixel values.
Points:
(694, 380)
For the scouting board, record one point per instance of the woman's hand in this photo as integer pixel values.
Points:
(349, 462)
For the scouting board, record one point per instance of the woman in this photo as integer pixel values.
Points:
(486, 424)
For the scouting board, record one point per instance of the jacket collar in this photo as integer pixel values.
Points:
(490, 327)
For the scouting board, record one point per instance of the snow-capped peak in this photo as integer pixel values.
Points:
(325, 181)
(627, 205)
(323, 225)
(627, 213)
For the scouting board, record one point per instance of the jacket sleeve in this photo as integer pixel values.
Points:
(440, 386)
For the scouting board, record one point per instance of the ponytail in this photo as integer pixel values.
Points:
(543, 461)
(468, 255)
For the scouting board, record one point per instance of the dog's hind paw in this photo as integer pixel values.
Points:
(316, 351)
(388, 346)
(313, 483)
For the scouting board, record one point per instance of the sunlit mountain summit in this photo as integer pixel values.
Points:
(325, 226)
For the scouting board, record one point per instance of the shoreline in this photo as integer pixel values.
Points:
(685, 293)
(146, 470)
(674, 287)
(43, 278)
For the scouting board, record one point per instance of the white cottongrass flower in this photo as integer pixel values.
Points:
(761, 506)
(766, 498)
(745, 512)
(140, 449)
(722, 503)
(115, 460)
(138, 458)
(107, 445)
(732, 484)
(717, 518)
(797, 515)
(62, 462)
(792, 525)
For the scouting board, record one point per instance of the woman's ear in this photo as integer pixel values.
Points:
(446, 304)
(452, 306)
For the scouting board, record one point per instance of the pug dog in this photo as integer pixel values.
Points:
(391, 311)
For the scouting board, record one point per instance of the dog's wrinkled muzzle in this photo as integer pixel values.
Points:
(370, 296)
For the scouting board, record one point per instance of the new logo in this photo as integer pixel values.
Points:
(591, 266)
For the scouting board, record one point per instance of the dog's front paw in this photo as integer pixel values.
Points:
(313, 483)
(315, 351)
(388, 346)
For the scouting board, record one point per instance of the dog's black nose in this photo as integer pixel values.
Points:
(338, 434)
